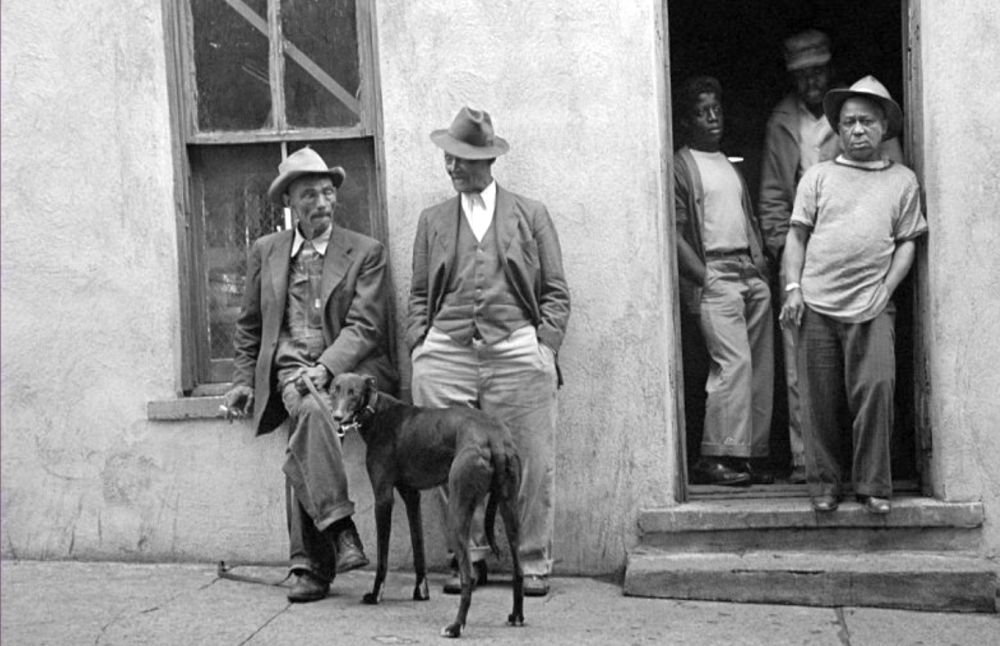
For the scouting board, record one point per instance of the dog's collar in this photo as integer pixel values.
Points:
(355, 423)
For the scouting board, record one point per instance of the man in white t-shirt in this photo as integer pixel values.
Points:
(724, 277)
(850, 244)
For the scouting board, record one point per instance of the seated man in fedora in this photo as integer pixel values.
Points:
(316, 304)
(488, 311)
(850, 244)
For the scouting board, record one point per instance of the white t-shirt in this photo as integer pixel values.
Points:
(725, 224)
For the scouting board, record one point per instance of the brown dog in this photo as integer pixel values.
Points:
(412, 448)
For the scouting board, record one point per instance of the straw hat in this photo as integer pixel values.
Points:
(868, 88)
(304, 161)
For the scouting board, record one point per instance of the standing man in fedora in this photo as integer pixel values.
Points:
(850, 244)
(488, 311)
(316, 305)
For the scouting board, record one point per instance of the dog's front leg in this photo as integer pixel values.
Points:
(383, 526)
(411, 498)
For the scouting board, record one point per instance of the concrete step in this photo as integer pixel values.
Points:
(749, 524)
(903, 580)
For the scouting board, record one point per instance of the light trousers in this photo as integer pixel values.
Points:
(515, 381)
(735, 317)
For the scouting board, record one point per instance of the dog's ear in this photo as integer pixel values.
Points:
(370, 383)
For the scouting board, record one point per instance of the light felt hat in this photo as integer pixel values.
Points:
(304, 161)
(807, 49)
(470, 136)
(868, 88)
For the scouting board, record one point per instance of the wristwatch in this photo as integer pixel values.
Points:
(792, 286)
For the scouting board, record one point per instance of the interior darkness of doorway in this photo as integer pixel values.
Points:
(740, 43)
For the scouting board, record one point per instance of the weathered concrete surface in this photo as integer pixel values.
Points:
(745, 524)
(110, 604)
(914, 581)
(959, 46)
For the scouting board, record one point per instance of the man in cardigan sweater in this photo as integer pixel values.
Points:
(724, 272)
(488, 311)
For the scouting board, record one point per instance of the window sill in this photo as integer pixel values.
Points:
(175, 410)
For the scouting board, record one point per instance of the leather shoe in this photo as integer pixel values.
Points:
(825, 503)
(350, 552)
(798, 475)
(308, 587)
(757, 476)
(536, 585)
(876, 505)
(714, 472)
(454, 583)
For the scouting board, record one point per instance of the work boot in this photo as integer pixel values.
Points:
(350, 552)
(308, 587)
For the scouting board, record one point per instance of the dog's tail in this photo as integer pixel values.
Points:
(504, 486)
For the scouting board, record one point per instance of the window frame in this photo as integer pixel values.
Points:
(199, 373)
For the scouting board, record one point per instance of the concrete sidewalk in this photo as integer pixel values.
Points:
(68, 603)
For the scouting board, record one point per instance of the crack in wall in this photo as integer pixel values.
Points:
(843, 632)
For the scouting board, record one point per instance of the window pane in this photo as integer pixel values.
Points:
(231, 64)
(356, 196)
(321, 66)
(230, 191)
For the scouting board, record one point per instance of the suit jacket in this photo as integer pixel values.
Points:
(355, 295)
(529, 252)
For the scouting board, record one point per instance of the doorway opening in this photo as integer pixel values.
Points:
(740, 44)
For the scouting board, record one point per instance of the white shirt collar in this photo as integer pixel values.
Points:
(320, 242)
(479, 208)
(489, 195)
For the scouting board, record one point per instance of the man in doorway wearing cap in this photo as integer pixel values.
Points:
(316, 305)
(488, 310)
(851, 242)
(798, 136)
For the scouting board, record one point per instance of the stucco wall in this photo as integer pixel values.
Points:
(89, 267)
(90, 296)
(959, 50)
(89, 272)
(573, 88)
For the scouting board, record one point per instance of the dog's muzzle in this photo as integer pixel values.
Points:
(346, 427)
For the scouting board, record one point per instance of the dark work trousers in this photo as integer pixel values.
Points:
(317, 493)
(852, 364)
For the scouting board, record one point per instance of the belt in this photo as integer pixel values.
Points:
(726, 253)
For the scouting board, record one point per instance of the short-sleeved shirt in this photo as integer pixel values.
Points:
(724, 227)
(856, 215)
